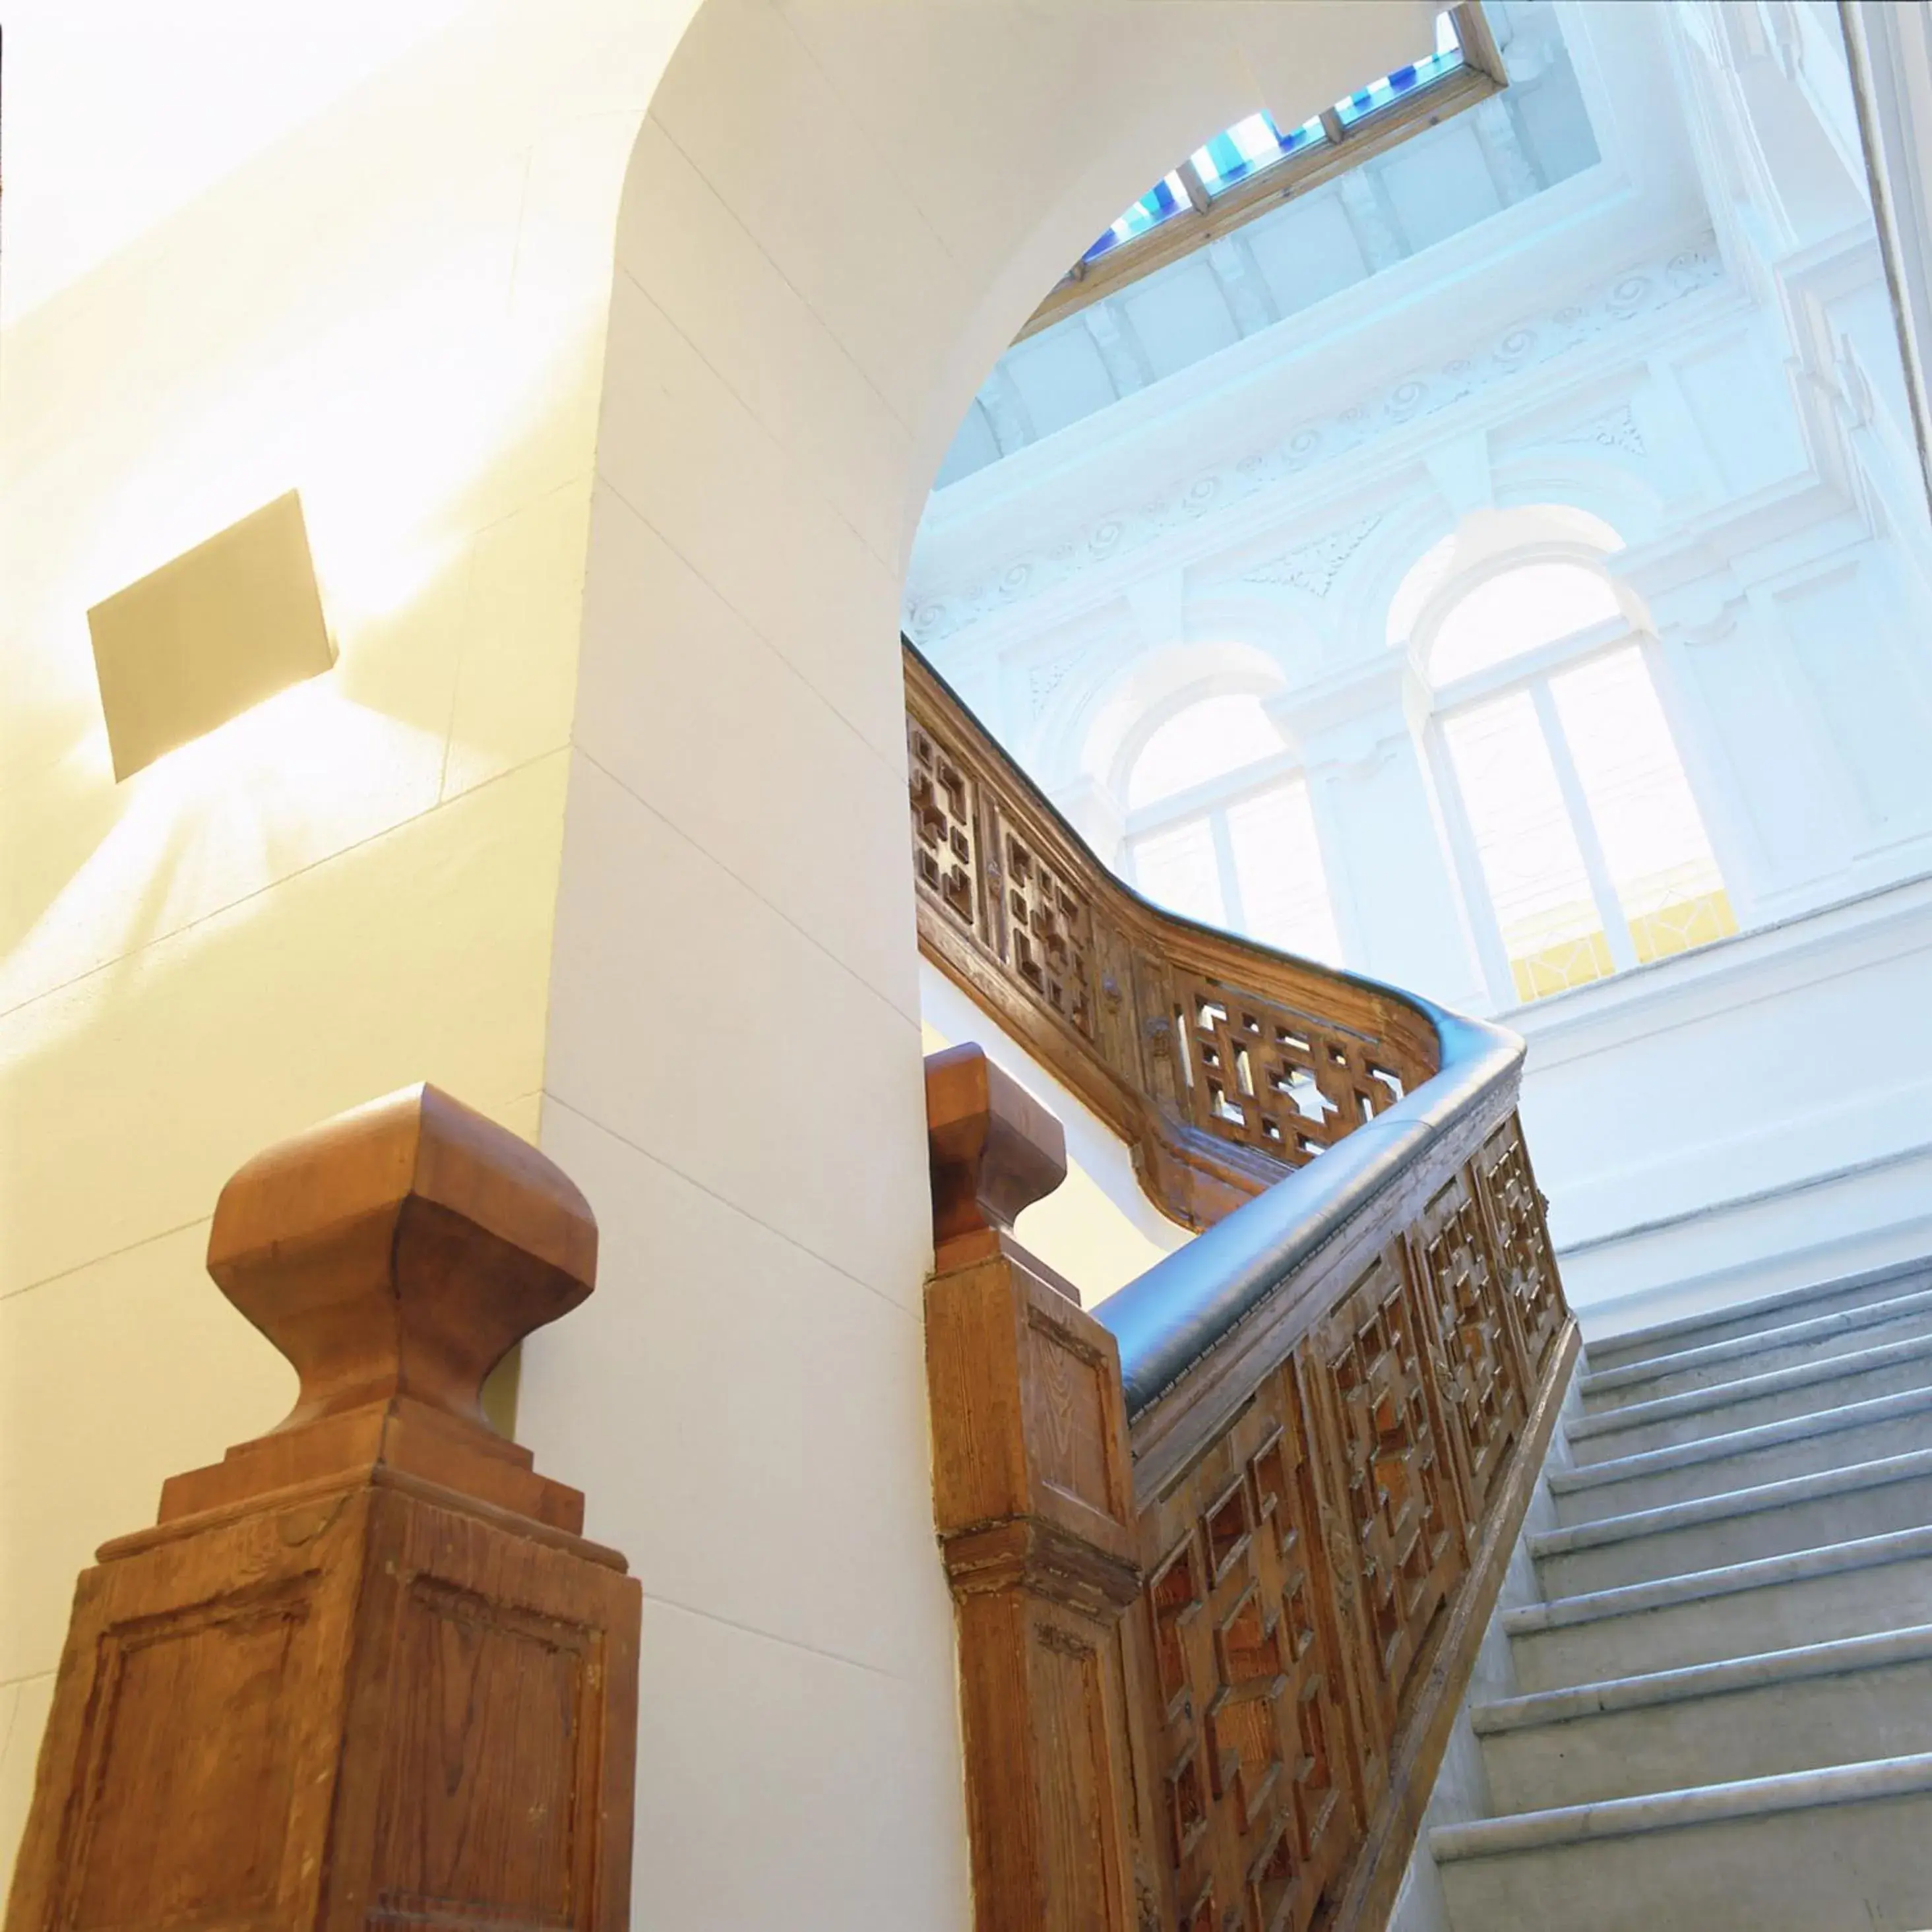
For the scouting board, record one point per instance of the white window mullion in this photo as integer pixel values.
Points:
(1344, 907)
(1224, 863)
(1484, 926)
(1609, 908)
(1726, 812)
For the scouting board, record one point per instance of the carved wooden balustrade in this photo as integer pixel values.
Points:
(1218, 1062)
(1224, 1548)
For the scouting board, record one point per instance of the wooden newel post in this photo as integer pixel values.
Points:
(1033, 1496)
(365, 1672)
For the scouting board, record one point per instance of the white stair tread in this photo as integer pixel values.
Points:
(1849, 1481)
(1665, 1810)
(1795, 1334)
(1666, 1337)
(1740, 1442)
(1764, 1572)
(1834, 1659)
(1723, 1395)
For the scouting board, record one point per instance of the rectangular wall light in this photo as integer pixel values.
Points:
(198, 641)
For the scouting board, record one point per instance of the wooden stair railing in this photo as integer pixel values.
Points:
(1223, 1549)
(1218, 1062)
(365, 1671)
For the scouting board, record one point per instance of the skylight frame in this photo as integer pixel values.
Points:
(1208, 216)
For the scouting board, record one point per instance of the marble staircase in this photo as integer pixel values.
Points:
(1722, 1715)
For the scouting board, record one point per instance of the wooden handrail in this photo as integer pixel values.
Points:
(1313, 1433)
(1221, 1063)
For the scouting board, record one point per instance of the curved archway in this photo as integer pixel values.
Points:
(834, 220)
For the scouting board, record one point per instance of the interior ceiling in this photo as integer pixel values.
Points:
(1584, 80)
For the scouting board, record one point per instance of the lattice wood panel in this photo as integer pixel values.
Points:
(1400, 1519)
(1276, 1057)
(1524, 1255)
(1478, 1376)
(1049, 929)
(945, 834)
(1278, 1080)
(1256, 1817)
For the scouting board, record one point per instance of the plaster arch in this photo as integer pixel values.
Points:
(1488, 543)
(834, 218)
(1157, 686)
(1602, 488)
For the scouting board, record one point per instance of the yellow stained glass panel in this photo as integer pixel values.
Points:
(1689, 923)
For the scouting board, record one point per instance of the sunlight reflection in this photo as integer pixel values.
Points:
(301, 775)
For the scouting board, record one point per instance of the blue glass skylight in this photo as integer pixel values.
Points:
(1364, 101)
(1167, 195)
(1251, 146)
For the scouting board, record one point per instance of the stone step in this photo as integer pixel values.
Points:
(1809, 1388)
(1772, 1519)
(1842, 1331)
(1751, 1318)
(1836, 1850)
(1802, 1445)
(1847, 1588)
(1821, 1704)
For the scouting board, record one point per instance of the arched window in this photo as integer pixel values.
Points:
(1210, 737)
(1576, 823)
(1221, 828)
(1516, 611)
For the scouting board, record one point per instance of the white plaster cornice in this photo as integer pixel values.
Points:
(941, 601)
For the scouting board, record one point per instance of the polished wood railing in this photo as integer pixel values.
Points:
(1223, 1549)
(1218, 1062)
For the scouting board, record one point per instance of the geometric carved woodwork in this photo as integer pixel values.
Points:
(1399, 1546)
(1306, 1528)
(1256, 1818)
(1222, 1063)
(1303, 1592)
(362, 1671)
(1283, 1082)
(1524, 1258)
(1479, 1374)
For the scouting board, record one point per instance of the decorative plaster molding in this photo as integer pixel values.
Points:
(934, 610)
(1314, 566)
(1044, 679)
(1614, 429)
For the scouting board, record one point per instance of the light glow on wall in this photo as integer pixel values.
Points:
(210, 824)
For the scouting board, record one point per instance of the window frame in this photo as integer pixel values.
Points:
(1212, 801)
(1533, 672)
(1208, 216)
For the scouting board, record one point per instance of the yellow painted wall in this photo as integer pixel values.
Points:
(398, 308)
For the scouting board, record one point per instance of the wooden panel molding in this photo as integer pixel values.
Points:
(1256, 1510)
(1223, 1065)
(364, 1671)
(1217, 1702)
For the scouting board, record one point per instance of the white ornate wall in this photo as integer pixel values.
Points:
(1691, 342)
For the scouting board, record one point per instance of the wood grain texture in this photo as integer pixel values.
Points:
(1222, 1064)
(1220, 1654)
(1033, 1499)
(993, 1151)
(362, 1696)
(1322, 1506)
